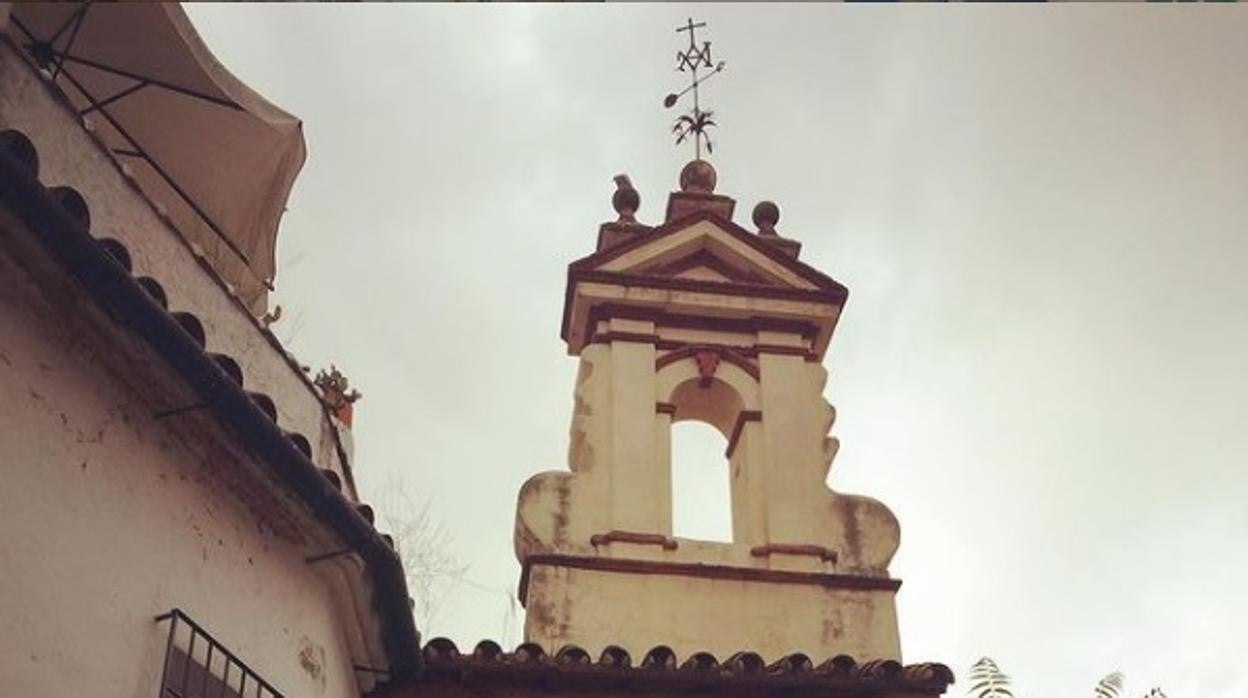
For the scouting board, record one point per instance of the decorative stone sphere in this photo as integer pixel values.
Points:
(698, 176)
(626, 200)
(766, 215)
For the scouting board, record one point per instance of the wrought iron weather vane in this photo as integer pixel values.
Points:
(694, 124)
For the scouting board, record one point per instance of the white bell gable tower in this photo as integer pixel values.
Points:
(701, 319)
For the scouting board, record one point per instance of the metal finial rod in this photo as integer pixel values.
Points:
(694, 124)
(670, 100)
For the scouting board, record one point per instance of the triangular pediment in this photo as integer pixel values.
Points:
(706, 249)
(703, 265)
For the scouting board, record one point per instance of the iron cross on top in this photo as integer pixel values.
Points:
(694, 124)
(694, 57)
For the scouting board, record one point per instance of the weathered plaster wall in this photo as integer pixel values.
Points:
(620, 475)
(594, 608)
(620, 481)
(110, 519)
(70, 156)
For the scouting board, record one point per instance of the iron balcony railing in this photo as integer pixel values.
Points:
(197, 666)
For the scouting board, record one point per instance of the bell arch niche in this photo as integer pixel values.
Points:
(701, 485)
(719, 389)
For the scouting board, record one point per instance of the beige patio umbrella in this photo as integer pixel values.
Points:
(215, 154)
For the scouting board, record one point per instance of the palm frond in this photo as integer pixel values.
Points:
(988, 681)
(694, 125)
(1109, 687)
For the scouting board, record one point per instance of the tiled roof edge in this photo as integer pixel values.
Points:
(61, 219)
(442, 656)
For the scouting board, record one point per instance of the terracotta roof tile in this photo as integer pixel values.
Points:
(660, 658)
(485, 651)
(443, 660)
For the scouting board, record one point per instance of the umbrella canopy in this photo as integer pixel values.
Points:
(215, 154)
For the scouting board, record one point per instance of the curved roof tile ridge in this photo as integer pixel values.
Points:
(615, 657)
(840, 665)
(487, 651)
(659, 658)
(700, 662)
(928, 671)
(572, 655)
(745, 664)
(441, 648)
(157, 292)
(529, 662)
(879, 669)
(118, 251)
(796, 663)
(529, 653)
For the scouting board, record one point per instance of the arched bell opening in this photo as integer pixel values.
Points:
(704, 424)
(701, 483)
(712, 401)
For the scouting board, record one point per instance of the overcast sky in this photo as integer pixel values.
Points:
(1039, 212)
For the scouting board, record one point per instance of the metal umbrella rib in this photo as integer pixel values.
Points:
(217, 157)
(39, 49)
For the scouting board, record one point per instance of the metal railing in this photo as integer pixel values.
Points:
(197, 666)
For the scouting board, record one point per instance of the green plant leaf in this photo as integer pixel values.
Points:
(1110, 686)
(988, 681)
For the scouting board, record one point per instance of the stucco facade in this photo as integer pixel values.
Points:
(135, 485)
(114, 518)
(699, 319)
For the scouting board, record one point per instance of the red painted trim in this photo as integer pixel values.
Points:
(621, 230)
(663, 318)
(680, 350)
(747, 325)
(782, 349)
(707, 361)
(819, 551)
(837, 290)
(742, 417)
(836, 297)
(638, 337)
(754, 241)
(819, 295)
(697, 201)
(727, 354)
(617, 536)
(704, 258)
(704, 571)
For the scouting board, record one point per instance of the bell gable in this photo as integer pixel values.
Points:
(702, 264)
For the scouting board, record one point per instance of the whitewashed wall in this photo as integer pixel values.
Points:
(111, 517)
(70, 156)
(109, 520)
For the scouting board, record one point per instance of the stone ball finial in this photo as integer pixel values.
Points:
(626, 200)
(698, 176)
(766, 215)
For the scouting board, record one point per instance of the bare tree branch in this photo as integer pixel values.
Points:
(423, 544)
